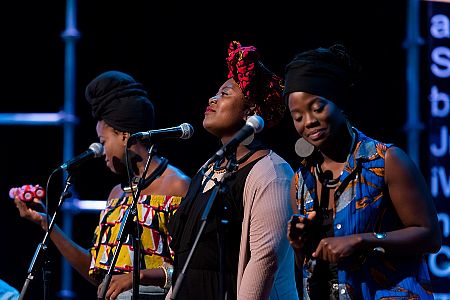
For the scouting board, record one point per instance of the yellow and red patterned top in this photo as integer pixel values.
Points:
(154, 212)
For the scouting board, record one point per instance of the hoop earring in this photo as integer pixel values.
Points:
(303, 148)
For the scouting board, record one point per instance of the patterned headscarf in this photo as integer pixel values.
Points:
(260, 86)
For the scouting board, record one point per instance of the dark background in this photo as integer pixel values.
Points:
(177, 50)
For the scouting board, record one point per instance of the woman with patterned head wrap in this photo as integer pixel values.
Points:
(366, 218)
(258, 262)
(121, 107)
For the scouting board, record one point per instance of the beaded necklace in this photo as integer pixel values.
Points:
(326, 177)
(221, 169)
(218, 171)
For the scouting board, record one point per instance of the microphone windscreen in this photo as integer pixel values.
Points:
(97, 148)
(256, 122)
(187, 131)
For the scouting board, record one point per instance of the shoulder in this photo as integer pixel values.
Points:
(399, 165)
(175, 181)
(396, 156)
(271, 167)
(268, 183)
(116, 192)
(275, 163)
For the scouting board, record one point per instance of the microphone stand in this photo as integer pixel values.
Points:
(40, 254)
(127, 229)
(219, 187)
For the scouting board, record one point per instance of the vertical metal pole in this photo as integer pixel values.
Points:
(412, 44)
(70, 36)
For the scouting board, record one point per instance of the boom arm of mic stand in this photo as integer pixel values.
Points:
(40, 252)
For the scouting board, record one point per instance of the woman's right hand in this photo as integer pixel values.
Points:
(33, 211)
(297, 230)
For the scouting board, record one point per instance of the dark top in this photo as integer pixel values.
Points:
(202, 277)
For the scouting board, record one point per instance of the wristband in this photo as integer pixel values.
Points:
(168, 271)
(379, 236)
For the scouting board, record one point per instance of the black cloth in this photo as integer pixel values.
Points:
(121, 102)
(202, 277)
(326, 72)
(316, 78)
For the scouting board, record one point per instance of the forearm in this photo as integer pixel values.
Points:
(156, 277)
(256, 282)
(78, 257)
(418, 240)
(123, 282)
(268, 243)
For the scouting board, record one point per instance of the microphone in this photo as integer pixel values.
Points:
(183, 131)
(254, 124)
(95, 150)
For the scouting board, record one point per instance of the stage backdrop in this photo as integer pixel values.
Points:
(437, 91)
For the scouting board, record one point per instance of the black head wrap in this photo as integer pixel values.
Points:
(326, 72)
(121, 102)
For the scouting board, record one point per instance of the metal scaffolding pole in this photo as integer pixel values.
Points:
(65, 118)
(412, 44)
(70, 36)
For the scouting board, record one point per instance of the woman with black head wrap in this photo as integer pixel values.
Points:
(366, 218)
(121, 107)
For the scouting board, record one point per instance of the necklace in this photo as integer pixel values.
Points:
(326, 177)
(216, 172)
(147, 181)
(221, 169)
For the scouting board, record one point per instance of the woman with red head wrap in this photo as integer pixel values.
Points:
(249, 217)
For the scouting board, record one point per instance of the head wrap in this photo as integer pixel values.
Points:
(326, 72)
(260, 86)
(121, 102)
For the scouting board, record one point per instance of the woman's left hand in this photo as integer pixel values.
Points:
(117, 285)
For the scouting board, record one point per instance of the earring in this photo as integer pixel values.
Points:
(303, 148)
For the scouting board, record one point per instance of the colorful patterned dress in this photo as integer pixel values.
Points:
(154, 211)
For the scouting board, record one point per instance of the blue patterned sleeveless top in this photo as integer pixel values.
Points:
(363, 204)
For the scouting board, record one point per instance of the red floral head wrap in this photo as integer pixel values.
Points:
(260, 86)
